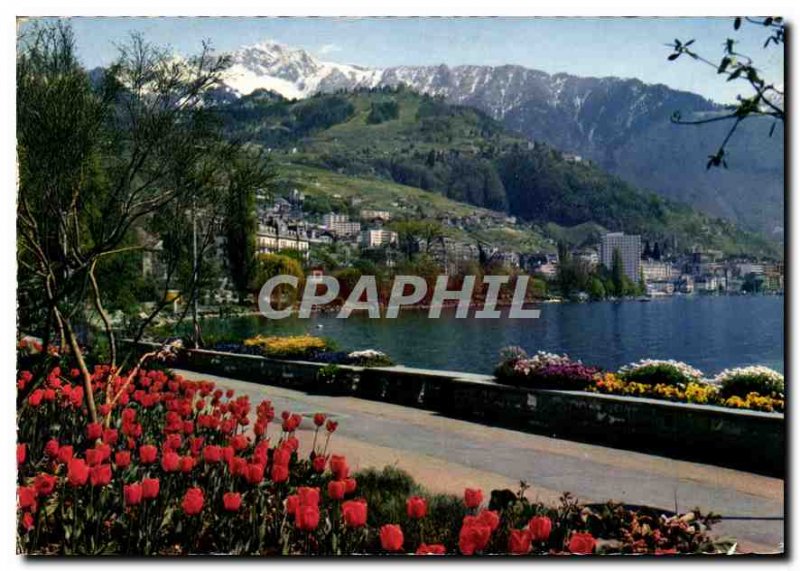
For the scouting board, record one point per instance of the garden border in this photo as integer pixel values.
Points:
(748, 440)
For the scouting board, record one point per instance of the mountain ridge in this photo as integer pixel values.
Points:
(622, 124)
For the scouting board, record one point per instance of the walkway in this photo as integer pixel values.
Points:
(446, 455)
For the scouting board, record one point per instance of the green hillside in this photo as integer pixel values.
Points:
(459, 153)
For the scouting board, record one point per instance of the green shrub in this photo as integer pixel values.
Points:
(654, 372)
(745, 380)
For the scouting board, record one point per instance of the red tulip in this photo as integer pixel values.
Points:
(391, 537)
(416, 507)
(519, 541)
(232, 501)
(474, 535)
(432, 549)
(490, 518)
(473, 498)
(148, 453)
(319, 463)
(331, 426)
(254, 473)
(308, 496)
(279, 474)
(100, 475)
(35, 398)
(212, 454)
(51, 448)
(150, 488)
(540, 527)
(192, 503)
(45, 484)
(65, 454)
(77, 472)
(133, 494)
(355, 513)
(186, 464)
(319, 419)
(27, 498)
(281, 457)
(582, 543)
(170, 461)
(349, 485)
(94, 430)
(306, 517)
(22, 452)
(122, 459)
(336, 489)
(339, 467)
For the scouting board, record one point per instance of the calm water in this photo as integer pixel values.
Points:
(710, 333)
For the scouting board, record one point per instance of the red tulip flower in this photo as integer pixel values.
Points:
(319, 463)
(22, 452)
(65, 454)
(354, 513)
(186, 464)
(416, 507)
(212, 454)
(349, 485)
(319, 419)
(150, 488)
(232, 501)
(306, 517)
(51, 448)
(336, 489)
(540, 527)
(391, 537)
(133, 494)
(339, 467)
(148, 453)
(490, 518)
(170, 461)
(94, 430)
(45, 484)
(27, 498)
(519, 541)
(100, 475)
(77, 472)
(122, 459)
(279, 474)
(192, 503)
(582, 543)
(473, 498)
(308, 496)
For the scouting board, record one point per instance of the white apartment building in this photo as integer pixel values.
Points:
(340, 224)
(374, 238)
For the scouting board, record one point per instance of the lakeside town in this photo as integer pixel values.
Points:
(368, 238)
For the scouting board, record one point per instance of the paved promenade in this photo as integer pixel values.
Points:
(446, 455)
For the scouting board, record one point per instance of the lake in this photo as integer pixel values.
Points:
(708, 332)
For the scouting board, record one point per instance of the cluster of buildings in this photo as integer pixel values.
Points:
(283, 226)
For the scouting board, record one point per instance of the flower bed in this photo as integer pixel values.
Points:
(305, 348)
(178, 467)
(752, 388)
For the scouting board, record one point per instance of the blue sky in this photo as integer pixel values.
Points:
(622, 47)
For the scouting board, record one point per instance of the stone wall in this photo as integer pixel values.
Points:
(747, 440)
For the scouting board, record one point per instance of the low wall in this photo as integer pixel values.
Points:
(747, 440)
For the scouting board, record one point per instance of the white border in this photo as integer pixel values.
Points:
(14, 8)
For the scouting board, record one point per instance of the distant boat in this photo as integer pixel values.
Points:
(643, 298)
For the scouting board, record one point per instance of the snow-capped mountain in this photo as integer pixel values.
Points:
(291, 72)
(622, 124)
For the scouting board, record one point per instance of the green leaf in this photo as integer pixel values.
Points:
(737, 23)
(673, 57)
(723, 65)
